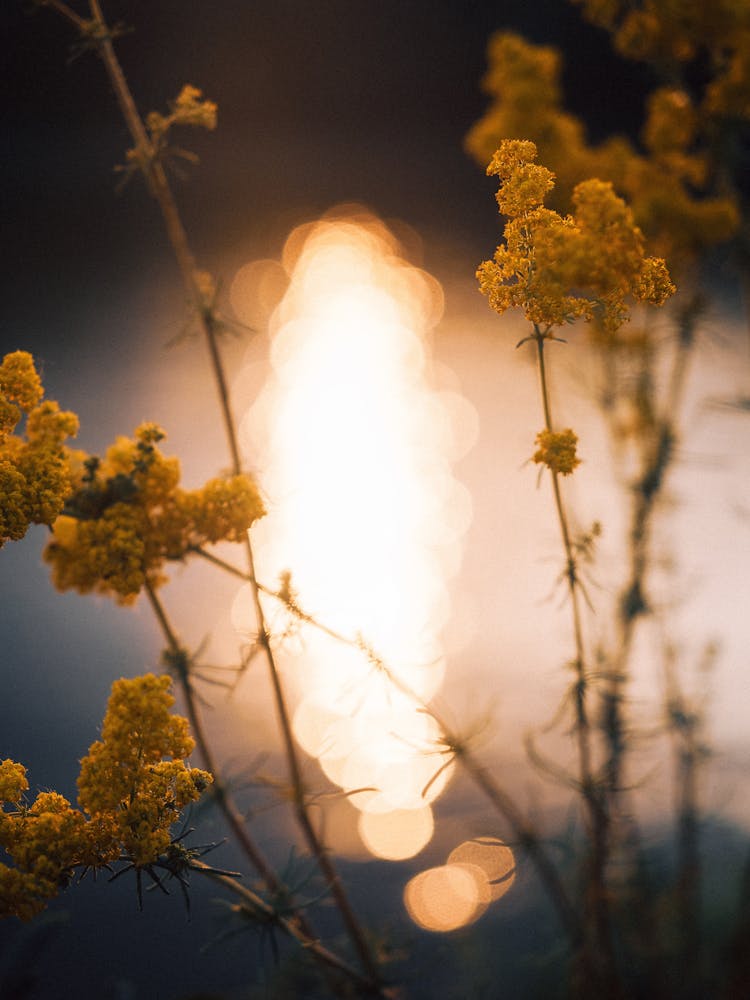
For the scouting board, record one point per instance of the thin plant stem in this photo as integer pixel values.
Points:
(529, 842)
(656, 458)
(497, 796)
(68, 13)
(220, 792)
(160, 189)
(597, 816)
(296, 923)
(737, 981)
(265, 914)
(684, 722)
(583, 725)
(632, 604)
(159, 185)
(299, 792)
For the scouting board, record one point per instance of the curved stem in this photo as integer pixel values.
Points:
(296, 923)
(314, 843)
(67, 12)
(602, 949)
(159, 186)
(583, 725)
(657, 454)
(162, 192)
(223, 797)
(263, 912)
(497, 796)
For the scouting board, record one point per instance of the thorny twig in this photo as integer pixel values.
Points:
(96, 31)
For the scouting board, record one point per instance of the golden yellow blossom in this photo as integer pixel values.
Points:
(13, 781)
(132, 787)
(46, 843)
(189, 108)
(670, 121)
(669, 189)
(34, 474)
(125, 775)
(557, 450)
(22, 895)
(19, 381)
(128, 515)
(523, 184)
(559, 268)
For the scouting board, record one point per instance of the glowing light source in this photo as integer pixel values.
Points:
(355, 442)
(457, 893)
(492, 858)
(396, 835)
(445, 898)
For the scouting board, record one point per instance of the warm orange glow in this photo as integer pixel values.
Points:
(457, 893)
(257, 289)
(354, 439)
(396, 835)
(446, 898)
(491, 857)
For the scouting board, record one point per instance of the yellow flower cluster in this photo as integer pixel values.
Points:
(128, 515)
(667, 188)
(47, 842)
(189, 109)
(130, 796)
(523, 184)
(125, 775)
(558, 268)
(557, 450)
(34, 476)
(13, 783)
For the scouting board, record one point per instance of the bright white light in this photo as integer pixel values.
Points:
(355, 446)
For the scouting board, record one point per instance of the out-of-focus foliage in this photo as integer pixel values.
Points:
(673, 34)
(677, 196)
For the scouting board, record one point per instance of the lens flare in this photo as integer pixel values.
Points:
(455, 894)
(355, 436)
(492, 858)
(398, 834)
(448, 897)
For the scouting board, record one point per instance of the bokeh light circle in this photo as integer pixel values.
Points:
(447, 897)
(396, 835)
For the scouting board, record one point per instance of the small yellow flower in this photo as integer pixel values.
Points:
(19, 381)
(13, 781)
(126, 776)
(670, 187)
(133, 786)
(560, 268)
(523, 184)
(127, 515)
(34, 474)
(653, 283)
(557, 450)
(22, 895)
(188, 109)
(191, 108)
